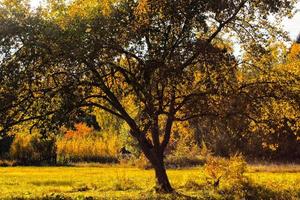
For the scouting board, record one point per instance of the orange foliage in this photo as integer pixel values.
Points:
(294, 52)
(81, 131)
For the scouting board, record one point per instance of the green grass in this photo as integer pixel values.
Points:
(113, 182)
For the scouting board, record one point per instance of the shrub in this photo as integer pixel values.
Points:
(232, 170)
(91, 149)
(33, 149)
(7, 163)
(85, 145)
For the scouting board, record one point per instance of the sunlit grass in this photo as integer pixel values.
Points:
(275, 168)
(108, 182)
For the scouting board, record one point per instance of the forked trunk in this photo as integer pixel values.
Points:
(155, 156)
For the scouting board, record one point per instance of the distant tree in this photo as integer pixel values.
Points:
(261, 117)
(165, 56)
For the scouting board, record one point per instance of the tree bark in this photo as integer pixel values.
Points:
(162, 181)
(156, 157)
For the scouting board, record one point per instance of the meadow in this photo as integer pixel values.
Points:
(118, 182)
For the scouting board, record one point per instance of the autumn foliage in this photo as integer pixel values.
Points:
(86, 145)
(81, 131)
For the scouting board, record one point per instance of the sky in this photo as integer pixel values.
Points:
(293, 25)
(290, 25)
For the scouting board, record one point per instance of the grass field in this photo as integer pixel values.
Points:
(113, 182)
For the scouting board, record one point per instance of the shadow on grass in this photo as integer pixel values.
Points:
(191, 191)
(246, 190)
(52, 183)
(254, 192)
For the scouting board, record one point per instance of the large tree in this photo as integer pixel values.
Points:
(164, 56)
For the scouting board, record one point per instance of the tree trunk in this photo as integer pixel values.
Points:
(162, 181)
(156, 158)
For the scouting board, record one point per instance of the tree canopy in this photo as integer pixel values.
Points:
(171, 60)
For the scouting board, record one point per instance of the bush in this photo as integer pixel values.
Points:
(84, 145)
(232, 170)
(91, 149)
(226, 179)
(7, 163)
(33, 149)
